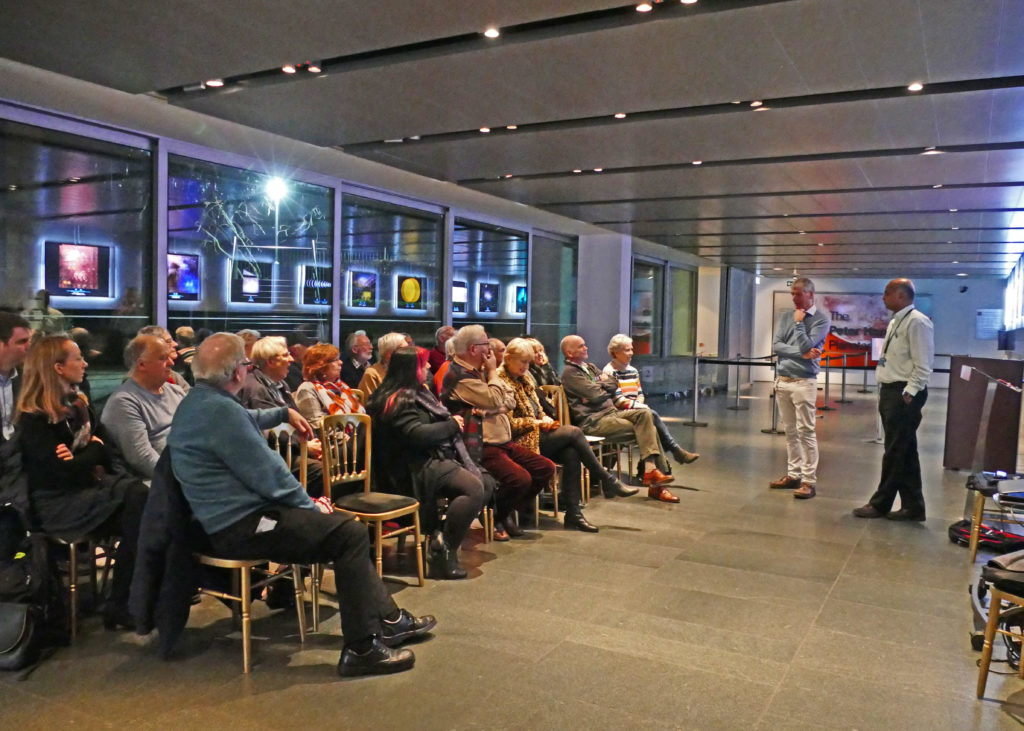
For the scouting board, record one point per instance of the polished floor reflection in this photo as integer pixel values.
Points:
(738, 608)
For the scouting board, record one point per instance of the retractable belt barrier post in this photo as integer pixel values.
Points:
(864, 388)
(774, 429)
(696, 393)
(842, 395)
(736, 406)
(828, 370)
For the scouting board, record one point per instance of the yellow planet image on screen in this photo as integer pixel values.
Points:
(410, 290)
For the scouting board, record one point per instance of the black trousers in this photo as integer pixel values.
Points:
(567, 445)
(901, 467)
(467, 494)
(309, 536)
(124, 523)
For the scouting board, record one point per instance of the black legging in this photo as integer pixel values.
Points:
(124, 523)
(466, 493)
(568, 446)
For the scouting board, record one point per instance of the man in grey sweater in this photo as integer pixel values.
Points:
(138, 413)
(799, 337)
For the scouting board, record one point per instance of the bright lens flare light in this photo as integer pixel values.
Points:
(276, 190)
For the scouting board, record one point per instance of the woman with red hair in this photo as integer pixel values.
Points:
(323, 392)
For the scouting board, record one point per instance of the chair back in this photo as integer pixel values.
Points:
(345, 440)
(280, 440)
(557, 396)
(358, 393)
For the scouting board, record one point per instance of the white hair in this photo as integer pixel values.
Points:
(466, 336)
(218, 357)
(618, 342)
(266, 348)
(388, 344)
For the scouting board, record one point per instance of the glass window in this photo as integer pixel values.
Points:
(683, 293)
(489, 278)
(553, 304)
(391, 269)
(75, 240)
(247, 250)
(645, 322)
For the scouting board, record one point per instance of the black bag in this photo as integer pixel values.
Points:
(32, 613)
(989, 538)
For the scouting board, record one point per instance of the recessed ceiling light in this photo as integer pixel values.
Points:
(485, 130)
(821, 243)
(856, 269)
(492, 33)
(688, 2)
(776, 269)
(508, 175)
(916, 86)
(737, 102)
(597, 170)
(620, 115)
(698, 162)
(956, 228)
(577, 170)
(931, 151)
(288, 69)
(214, 82)
(393, 141)
(73, 180)
(937, 185)
(802, 233)
(12, 187)
(762, 109)
(961, 274)
(511, 126)
(756, 103)
(644, 7)
(414, 137)
(953, 210)
(956, 262)
(314, 68)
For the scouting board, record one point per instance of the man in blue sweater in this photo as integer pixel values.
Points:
(799, 336)
(251, 507)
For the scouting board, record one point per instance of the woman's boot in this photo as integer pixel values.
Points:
(444, 563)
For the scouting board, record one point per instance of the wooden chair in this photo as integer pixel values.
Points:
(557, 396)
(998, 594)
(344, 439)
(358, 393)
(96, 549)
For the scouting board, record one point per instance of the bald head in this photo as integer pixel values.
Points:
(218, 358)
(899, 293)
(574, 348)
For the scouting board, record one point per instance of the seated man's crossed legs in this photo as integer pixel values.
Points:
(640, 424)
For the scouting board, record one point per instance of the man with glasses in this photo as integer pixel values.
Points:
(161, 333)
(251, 507)
(471, 387)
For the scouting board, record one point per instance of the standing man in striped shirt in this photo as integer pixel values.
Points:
(799, 337)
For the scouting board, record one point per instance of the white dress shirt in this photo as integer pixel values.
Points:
(908, 350)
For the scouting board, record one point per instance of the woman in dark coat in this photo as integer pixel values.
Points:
(417, 444)
(72, 490)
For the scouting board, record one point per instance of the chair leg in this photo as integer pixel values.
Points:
(93, 579)
(554, 489)
(536, 511)
(73, 588)
(300, 601)
(314, 590)
(979, 506)
(419, 547)
(246, 597)
(379, 546)
(995, 604)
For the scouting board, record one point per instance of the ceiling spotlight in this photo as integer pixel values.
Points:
(961, 274)
(956, 262)
(916, 86)
(620, 115)
(508, 175)
(737, 102)
(597, 170)
(802, 233)
(697, 162)
(856, 269)
(73, 180)
(276, 189)
(937, 185)
(288, 69)
(776, 269)
(214, 82)
(956, 228)
(511, 126)
(821, 243)
(577, 170)
(756, 103)
(953, 210)
(492, 33)
(393, 141)
(314, 68)
(762, 109)
(644, 7)
(414, 137)
(485, 130)
(931, 151)
(688, 2)
(12, 187)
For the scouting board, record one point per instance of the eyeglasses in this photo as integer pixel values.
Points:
(482, 345)
(249, 365)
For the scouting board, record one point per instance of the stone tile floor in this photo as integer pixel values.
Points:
(738, 608)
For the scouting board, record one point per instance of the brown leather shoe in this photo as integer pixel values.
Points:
(683, 457)
(661, 493)
(785, 483)
(805, 492)
(656, 477)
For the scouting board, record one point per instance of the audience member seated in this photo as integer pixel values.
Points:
(298, 343)
(161, 333)
(438, 354)
(265, 388)
(249, 337)
(138, 413)
(251, 507)
(185, 337)
(358, 350)
(418, 449)
(631, 395)
(498, 350)
(591, 397)
(15, 336)
(536, 429)
(73, 490)
(322, 394)
(472, 387)
(541, 370)
(386, 345)
(449, 350)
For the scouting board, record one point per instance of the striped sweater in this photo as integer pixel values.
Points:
(630, 394)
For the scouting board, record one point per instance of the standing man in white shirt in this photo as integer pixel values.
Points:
(902, 376)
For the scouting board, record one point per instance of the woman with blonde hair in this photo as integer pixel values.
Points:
(323, 393)
(73, 490)
(540, 368)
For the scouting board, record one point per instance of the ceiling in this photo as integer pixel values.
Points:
(826, 176)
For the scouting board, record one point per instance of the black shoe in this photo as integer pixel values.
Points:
(444, 564)
(614, 488)
(906, 514)
(117, 618)
(512, 528)
(868, 511)
(405, 628)
(579, 522)
(281, 595)
(378, 660)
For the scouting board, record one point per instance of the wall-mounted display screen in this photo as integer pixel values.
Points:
(487, 297)
(362, 290)
(316, 284)
(520, 300)
(409, 292)
(77, 270)
(251, 282)
(460, 296)
(183, 277)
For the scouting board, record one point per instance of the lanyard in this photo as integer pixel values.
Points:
(890, 336)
